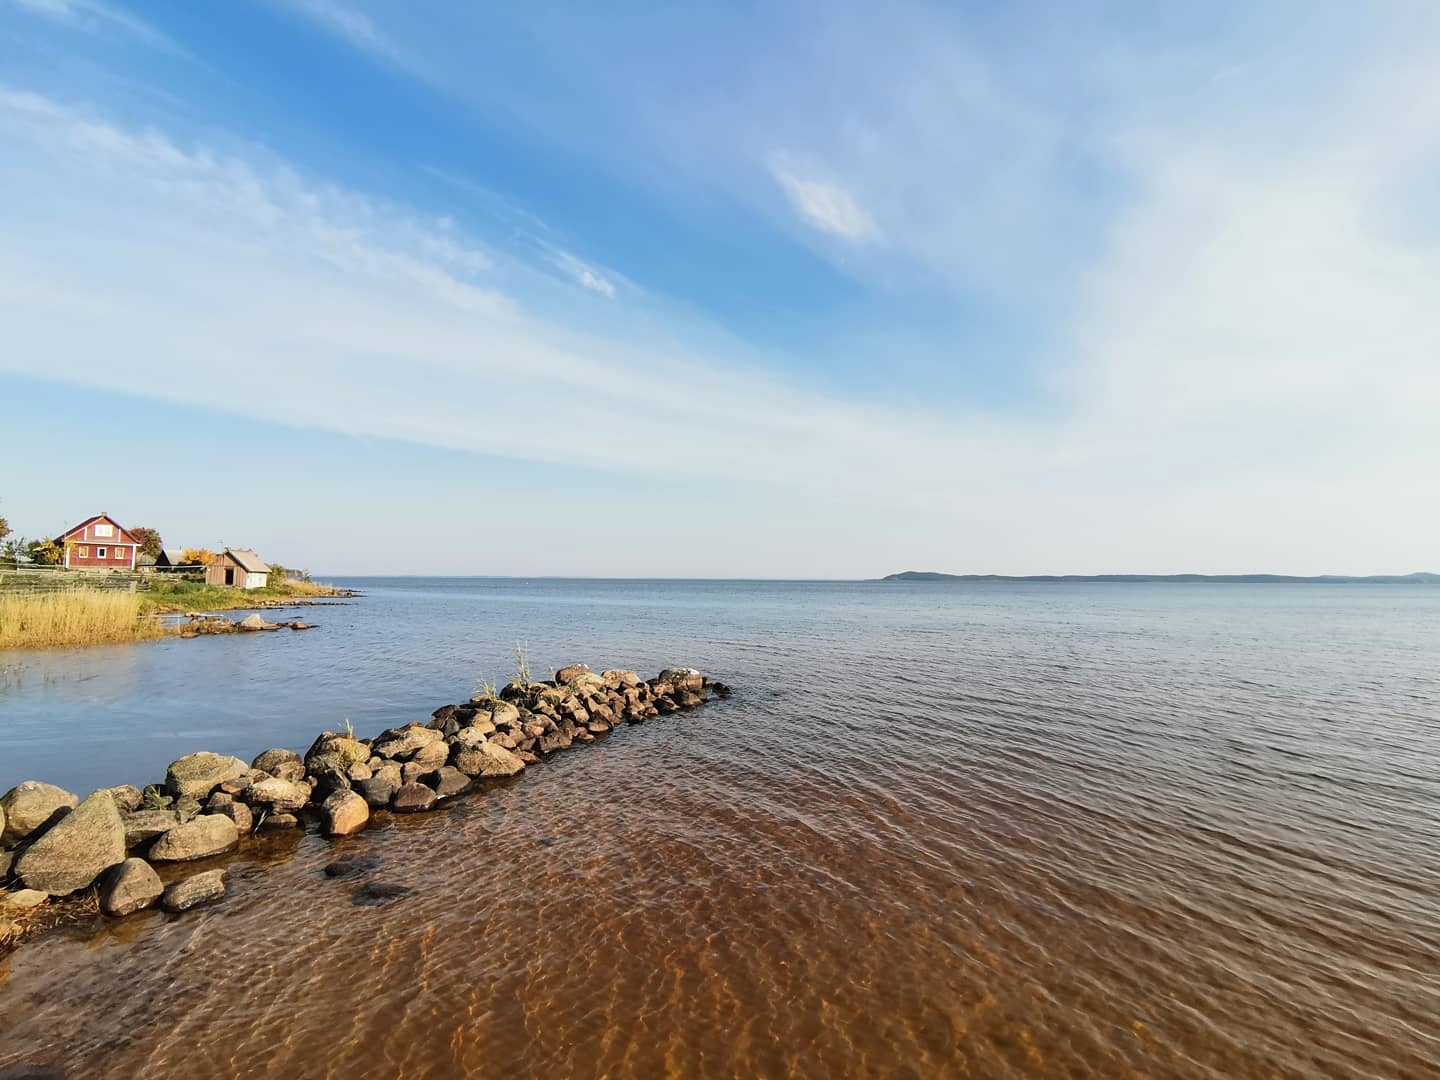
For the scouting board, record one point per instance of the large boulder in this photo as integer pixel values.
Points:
(344, 813)
(276, 796)
(488, 759)
(130, 887)
(619, 678)
(401, 744)
(199, 774)
(198, 889)
(76, 850)
(206, 835)
(504, 714)
(145, 825)
(281, 764)
(29, 805)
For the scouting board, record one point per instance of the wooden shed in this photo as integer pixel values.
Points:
(238, 569)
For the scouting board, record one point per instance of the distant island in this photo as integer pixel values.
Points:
(1418, 578)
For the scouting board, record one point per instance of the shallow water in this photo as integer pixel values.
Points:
(939, 830)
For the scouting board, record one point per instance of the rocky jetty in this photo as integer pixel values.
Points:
(54, 845)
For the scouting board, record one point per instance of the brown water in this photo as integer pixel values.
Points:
(1120, 831)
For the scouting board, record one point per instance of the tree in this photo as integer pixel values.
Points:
(203, 556)
(46, 552)
(149, 540)
(15, 550)
(4, 528)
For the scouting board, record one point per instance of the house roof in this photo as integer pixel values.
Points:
(97, 517)
(248, 560)
(172, 556)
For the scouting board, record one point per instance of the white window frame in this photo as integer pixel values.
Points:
(100, 553)
(103, 529)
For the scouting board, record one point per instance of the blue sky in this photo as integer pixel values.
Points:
(780, 289)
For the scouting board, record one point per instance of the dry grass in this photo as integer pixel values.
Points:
(81, 617)
(310, 588)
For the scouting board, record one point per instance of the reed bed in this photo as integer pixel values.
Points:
(78, 617)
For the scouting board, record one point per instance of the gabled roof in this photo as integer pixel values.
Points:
(248, 560)
(93, 518)
(172, 556)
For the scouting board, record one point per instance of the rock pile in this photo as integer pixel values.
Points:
(53, 844)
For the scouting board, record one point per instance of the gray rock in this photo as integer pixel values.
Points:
(127, 797)
(376, 791)
(130, 887)
(276, 795)
(23, 899)
(446, 781)
(28, 806)
(572, 673)
(273, 822)
(410, 773)
(208, 834)
(334, 751)
(199, 774)
(7, 859)
(76, 850)
(413, 798)
(504, 715)
(199, 889)
(359, 771)
(282, 764)
(431, 756)
(488, 759)
(344, 813)
(472, 736)
(144, 825)
(616, 678)
(239, 813)
(400, 744)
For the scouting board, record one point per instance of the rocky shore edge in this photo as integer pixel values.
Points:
(58, 850)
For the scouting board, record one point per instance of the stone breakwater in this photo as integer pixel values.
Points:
(54, 845)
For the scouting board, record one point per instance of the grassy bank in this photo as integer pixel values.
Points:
(82, 617)
(171, 596)
(96, 617)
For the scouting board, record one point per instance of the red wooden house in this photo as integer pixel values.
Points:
(98, 543)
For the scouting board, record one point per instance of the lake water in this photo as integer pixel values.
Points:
(939, 830)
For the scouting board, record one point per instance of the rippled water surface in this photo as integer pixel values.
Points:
(1075, 830)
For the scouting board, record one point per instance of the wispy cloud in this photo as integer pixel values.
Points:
(587, 275)
(94, 17)
(823, 205)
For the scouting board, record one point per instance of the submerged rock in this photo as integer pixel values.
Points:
(379, 892)
(206, 835)
(29, 805)
(344, 813)
(130, 887)
(76, 850)
(199, 774)
(192, 891)
(353, 865)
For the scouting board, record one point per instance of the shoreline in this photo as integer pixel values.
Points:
(63, 859)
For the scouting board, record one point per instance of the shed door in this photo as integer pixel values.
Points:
(229, 575)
